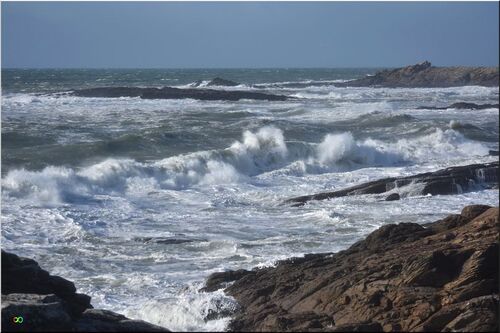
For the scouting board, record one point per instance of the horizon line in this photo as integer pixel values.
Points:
(224, 68)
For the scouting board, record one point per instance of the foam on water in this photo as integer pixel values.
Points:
(259, 152)
(138, 201)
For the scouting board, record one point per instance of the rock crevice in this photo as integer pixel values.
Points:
(442, 276)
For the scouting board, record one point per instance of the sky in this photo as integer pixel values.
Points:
(247, 34)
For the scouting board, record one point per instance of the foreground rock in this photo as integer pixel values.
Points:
(438, 277)
(452, 180)
(176, 93)
(424, 75)
(50, 303)
(463, 105)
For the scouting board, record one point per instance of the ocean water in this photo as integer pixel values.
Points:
(138, 201)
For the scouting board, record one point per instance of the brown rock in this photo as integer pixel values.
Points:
(426, 75)
(451, 180)
(400, 278)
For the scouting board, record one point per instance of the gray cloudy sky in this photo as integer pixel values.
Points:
(247, 34)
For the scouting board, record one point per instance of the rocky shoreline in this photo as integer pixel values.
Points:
(51, 304)
(424, 75)
(442, 276)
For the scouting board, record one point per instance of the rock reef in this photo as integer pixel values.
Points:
(442, 276)
(451, 180)
(217, 82)
(51, 304)
(424, 75)
(176, 93)
(463, 105)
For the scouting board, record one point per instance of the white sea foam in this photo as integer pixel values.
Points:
(262, 151)
(187, 311)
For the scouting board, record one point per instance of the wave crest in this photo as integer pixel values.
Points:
(258, 152)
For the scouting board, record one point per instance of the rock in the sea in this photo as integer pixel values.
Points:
(462, 105)
(49, 303)
(451, 180)
(222, 82)
(425, 75)
(176, 93)
(439, 277)
(392, 197)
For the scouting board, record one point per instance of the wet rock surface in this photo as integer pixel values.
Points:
(451, 180)
(176, 93)
(424, 75)
(463, 105)
(50, 303)
(442, 276)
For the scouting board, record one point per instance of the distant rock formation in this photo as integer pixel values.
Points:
(406, 277)
(222, 82)
(424, 75)
(216, 82)
(51, 304)
(176, 93)
(463, 105)
(451, 180)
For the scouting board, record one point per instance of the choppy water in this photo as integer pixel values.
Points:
(89, 184)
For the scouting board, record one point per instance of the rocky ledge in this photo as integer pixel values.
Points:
(442, 276)
(451, 180)
(424, 75)
(462, 105)
(51, 304)
(176, 93)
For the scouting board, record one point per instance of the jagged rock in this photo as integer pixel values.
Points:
(218, 280)
(405, 277)
(176, 93)
(463, 105)
(50, 303)
(425, 75)
(451, 180)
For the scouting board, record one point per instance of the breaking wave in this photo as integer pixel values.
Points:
(258, 152)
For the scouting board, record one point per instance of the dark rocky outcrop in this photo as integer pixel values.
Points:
(441, 276)
(176, 93)
(462, 105)
(166, 240)
(392, 197)
(51, 304)
(216, 82)
(452, 180)
(424, 75)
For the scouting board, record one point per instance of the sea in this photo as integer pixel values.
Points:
(138, 201)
